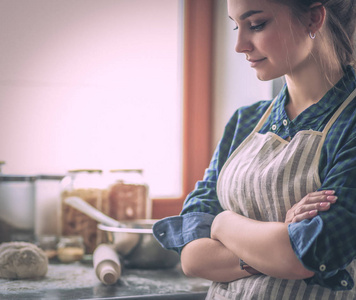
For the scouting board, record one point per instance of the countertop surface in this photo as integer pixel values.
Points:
(78, 281)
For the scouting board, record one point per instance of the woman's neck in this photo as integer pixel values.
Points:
(308, 85)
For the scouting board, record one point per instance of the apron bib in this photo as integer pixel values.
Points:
(263, 178)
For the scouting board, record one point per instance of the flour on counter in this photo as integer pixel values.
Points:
(146, 280)
(58, 277)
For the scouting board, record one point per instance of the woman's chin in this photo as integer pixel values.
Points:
(265, 76)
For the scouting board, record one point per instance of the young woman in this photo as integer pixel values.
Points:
(275, 215)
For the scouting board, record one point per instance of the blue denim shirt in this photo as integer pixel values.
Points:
(334, 229)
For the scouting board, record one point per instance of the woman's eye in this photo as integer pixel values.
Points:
(236, 27)
(258, 27)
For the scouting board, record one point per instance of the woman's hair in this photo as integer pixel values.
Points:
(340, 21)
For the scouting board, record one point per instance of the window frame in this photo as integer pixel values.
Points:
(197, 102)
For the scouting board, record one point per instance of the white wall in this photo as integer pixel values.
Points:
(235, 83)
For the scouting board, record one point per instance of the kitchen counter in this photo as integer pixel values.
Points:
(78, 281)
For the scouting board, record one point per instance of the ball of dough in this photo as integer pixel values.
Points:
(20, 260)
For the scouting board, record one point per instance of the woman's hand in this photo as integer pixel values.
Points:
(308, 207)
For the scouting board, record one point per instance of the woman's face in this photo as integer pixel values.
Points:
(274, 41)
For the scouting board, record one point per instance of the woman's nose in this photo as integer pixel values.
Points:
(243, 43)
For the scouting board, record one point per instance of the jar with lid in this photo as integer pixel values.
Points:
(88, 185)
(128, 195)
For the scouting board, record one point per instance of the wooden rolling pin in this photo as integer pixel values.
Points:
(106, 264)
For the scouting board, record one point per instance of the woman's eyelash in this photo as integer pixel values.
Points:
(258, 27)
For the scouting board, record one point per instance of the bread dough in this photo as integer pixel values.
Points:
(20, 260)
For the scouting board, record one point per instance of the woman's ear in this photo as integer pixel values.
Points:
(317, 16)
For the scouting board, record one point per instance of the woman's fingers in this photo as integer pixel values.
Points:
(304, 216)
(318, 206)
(310, 205)
(317, 197)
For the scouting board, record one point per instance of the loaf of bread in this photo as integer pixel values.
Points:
(21, 260)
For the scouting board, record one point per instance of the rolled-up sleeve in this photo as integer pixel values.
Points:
(194, 222)
(175, 232)
(304, 237)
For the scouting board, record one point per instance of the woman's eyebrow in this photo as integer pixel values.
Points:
(250, 13)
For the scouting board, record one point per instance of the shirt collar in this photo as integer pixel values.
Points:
(332, 99)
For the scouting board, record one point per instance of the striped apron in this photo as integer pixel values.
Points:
(263, 178)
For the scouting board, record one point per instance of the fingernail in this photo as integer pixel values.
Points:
(313, 212)
(324, 204)
(329, 192)
(331, 198)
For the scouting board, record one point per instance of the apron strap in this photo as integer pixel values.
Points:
(331, 122)
(264, 117)
(339, 111)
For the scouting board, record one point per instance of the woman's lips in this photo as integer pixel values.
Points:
(255, 62)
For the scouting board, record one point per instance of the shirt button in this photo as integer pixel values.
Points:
(274, 127)
(285, 122)
(344, 283)
(322, 268)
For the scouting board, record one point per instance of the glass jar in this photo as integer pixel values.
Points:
(128, 195)
(88, 185)
(70, 249)
(48, 243)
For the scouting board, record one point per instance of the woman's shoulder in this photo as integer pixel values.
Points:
(345, 124)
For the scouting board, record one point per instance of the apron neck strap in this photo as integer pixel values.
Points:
(339, 111)
(265, 116)
(333, 119)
